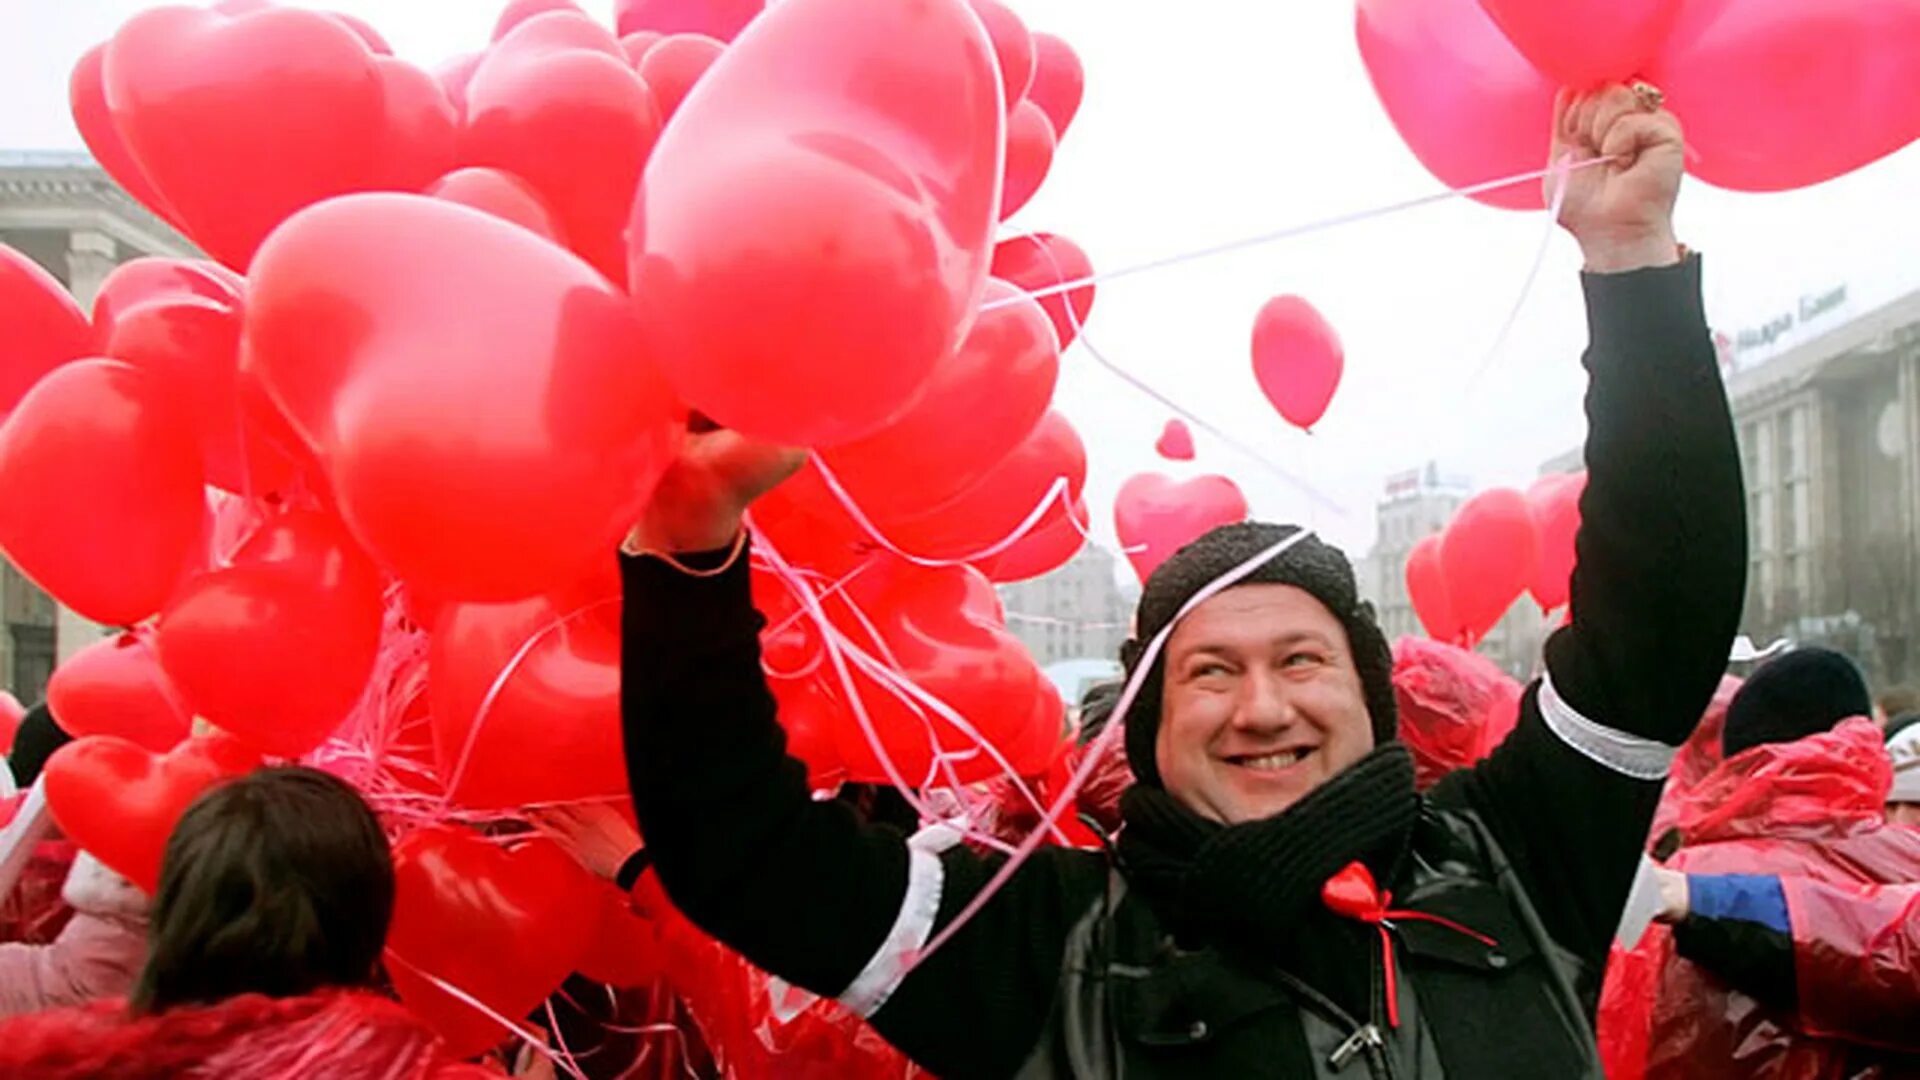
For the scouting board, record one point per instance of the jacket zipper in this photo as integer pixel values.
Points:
(1366, 1038)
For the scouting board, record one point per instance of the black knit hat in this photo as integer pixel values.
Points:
(1312, 564)
(1803, 693)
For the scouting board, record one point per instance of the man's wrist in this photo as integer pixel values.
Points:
(1625, 254)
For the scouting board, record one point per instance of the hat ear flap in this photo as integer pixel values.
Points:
(1130, 653)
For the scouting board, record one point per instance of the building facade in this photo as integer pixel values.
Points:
(1077, 612)
(1417, 504)
(63, 212)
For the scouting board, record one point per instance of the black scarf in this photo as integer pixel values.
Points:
(1255, 887)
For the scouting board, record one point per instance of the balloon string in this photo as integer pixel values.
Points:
(1102, 744)
(1558, 177)
(1290, 232)
(530, 1038)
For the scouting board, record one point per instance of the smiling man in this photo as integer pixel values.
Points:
(1280, 902)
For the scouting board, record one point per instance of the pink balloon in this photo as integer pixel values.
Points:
(723, 19)
(1058, 81)
(519, 11)
(1427, 590)
(1585, 43)
(1470, 107)
(637, 44)
(1297, 359)
(1488, 557)
(1156, 515)
(455, 74)
(1176, 442)
(671, 66)
(1777, 94)
(1041, 261)
(1012, 46)
(502, 194)
(1555, 504)
(1030, 145)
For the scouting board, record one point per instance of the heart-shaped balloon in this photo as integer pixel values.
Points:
(1012, 47)
(1585, 43)
(1427, 592)
(1157, 515)
(481, 400)
(232, 136)
(1555, 504)
(45, 328)
(1051, 545)
(119, 801)
(1040, 261)
(625, 949)
(277, 648)
(11, 713)
(502, 194)
(1043, 476)
(504, 925)
(1030, 145)
(980, 404)
(104, 498)
(1297, 359)
(556, 104)
(455, 76)
(1469, 106)
(943, 630)
(421, 135)
(546, 672)
(519, 11)
(837, 174)
(1488, 555)
(811, 713)
(1176, 442)
(117, 687)
(1058, 81)
(722, 19)
(638, 44)
(87, 98)
(141, 281)
(672, 65)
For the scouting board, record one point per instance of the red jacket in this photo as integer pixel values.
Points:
(1812, 812)
(333, 1034)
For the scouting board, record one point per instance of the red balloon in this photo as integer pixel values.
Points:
(1176, 442)
(1058, 81)
(87, 98)
(1488, 557)
(1297, 359)
(552, 730)
(149, 278)
(810, 712)
(1052, 544)
(1427, 591)
(364, 30)
(277, 648)
(481, 400)
(801, 520)
(119, 801)
(1012, 47)
(505, 925)
(422, 127)
(1585, 43)
(1041, 261)
(1778, 95)
(1470, 107)
(104, 491)
(625, 950)
(235, 138)
(1157, 515)
(722, 19)
(672, 65)
(502, 194)
(556, 104)
(11, 713)
(519, 11)
(1048, 469)
(455, 76)
(117, 687)
(45, 328)
(980, 404)
(637, 44)
(1554, 502)
(945, 632)
(837, 176)
(1030, 143)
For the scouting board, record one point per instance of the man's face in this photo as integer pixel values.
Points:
(1904, 813)
(1261, 704)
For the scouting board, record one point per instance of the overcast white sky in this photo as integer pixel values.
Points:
(1208, 122)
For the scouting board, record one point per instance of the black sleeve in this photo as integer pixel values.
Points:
(802, 888)
(1754, 959)
(1656, 600)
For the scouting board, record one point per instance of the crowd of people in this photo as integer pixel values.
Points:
(1303, 853)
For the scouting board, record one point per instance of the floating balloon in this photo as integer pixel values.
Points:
(502, 194)
(277, 648)
(1012, 47)
(1554, 502)
(117, 687)
(1487, 556)
(837, 175)
(1030, 143)
(455, 76)
(1469, 106)
(1585, 43)
(1176, 442)
(104, 494)
(1297, 359)
(482, 401)
(422, 127)
(87, 99)
(1156, 515)
(11, 713)
(504, 925)
(625, 950)
(1058, 81)
(722, 19)
(672, 65)
(149, 278)
(1427, 591)
(980, 404)
(1044, 474)
(1052, 544)
(1041, 261)
(45, 328)
(519, 11)
(637, 44)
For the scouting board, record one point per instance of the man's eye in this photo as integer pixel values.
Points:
(1302, 659)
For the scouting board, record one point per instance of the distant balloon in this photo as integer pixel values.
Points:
(1176, 442)
(1297, 359)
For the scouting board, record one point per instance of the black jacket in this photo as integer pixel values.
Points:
(1535, 847)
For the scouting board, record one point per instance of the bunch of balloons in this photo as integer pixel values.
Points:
(448, 340)
(1501, 544)
(1775, 94)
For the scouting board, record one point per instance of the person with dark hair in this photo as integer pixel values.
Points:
(1774, 891)
(275, 895)
(33, 743)
(1282, 901)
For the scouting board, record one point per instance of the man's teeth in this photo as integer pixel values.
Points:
(1276, 761)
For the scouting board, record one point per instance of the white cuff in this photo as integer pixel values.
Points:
(926, 878)
(1628, 755)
